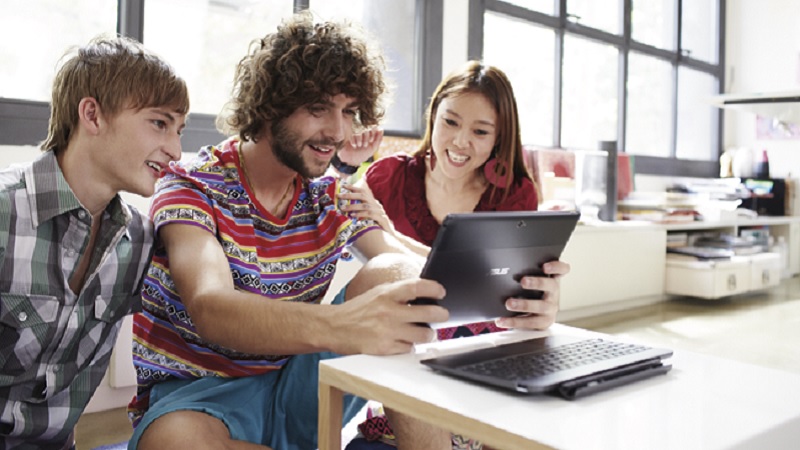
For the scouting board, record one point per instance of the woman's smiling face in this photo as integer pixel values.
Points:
(464, 134)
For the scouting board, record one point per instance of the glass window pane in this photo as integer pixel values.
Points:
(35, 34)
(393, 23)
(653, 23)
(589, 106)
(697, 119)
(601, 14)
(543, 6)
(530, 70)
(699, 29)
(214, 36)
(649, 107)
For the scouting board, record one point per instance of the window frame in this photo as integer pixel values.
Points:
(24, 122)
(560, 23)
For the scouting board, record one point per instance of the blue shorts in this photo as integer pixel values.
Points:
(278, 409)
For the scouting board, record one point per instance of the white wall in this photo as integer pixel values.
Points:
(762, 55)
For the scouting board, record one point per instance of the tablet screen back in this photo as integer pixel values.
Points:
(480, 258)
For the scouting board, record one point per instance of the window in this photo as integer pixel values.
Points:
(620, 72)
(215, 31)
(30, 49)
(204, 46)
(590, 93)
(392, 22)
(531, 77)
(600, 14)
(653, 23)
(215, 35)
(697, 119)
(649, 106)
(699, 30)
(544, 6)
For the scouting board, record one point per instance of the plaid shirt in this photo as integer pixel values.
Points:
(55, 345)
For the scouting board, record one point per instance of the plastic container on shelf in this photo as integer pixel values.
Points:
(781, 248)
(742, 165)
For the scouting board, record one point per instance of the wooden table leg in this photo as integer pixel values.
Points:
(330, 417)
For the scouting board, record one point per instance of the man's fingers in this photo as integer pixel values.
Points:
(402, 292)
(420, 333)
(426, 288)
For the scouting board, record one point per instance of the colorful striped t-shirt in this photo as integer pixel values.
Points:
(283, 259)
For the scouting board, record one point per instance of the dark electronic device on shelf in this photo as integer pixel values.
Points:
(768, 196)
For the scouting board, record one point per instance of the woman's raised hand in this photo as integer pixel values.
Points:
(361, 146)
(363, 205)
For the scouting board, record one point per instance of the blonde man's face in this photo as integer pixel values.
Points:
(139, 144)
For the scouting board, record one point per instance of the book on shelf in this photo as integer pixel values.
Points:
(739, 245)
(701, 252)
(677, 239)
(658, 215)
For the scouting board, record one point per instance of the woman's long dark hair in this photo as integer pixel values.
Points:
(492, 83)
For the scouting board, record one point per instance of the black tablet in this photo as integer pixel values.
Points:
(480, 258)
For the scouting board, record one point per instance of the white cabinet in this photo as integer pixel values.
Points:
(615, 266)
(793, 243)
(709, 279)
(787, 227)
(613, 263)
(714, 279)
(765, 270)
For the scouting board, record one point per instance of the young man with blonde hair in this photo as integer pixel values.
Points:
(72, 252)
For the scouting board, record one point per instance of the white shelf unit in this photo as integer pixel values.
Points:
(787, 227)
(620, 265)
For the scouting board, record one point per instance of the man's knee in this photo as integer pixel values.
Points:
(185, 430)
(414, 433)
(385, 268)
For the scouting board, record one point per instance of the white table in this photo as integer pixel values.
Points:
(702, 403)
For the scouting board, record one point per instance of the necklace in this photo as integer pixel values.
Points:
(247, 180)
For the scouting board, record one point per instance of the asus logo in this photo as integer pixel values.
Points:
(499, 271)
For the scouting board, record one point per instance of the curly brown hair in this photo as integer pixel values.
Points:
(302, 63)
(119, 73)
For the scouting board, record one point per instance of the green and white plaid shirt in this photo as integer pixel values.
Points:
(55, 345)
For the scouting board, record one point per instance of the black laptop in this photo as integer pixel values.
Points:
(479, 258)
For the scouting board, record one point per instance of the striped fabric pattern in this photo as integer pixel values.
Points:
(55, 345)
(282, 259)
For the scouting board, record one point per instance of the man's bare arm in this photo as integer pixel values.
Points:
(378, 321)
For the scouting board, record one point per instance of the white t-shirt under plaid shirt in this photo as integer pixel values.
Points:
(55, 345)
